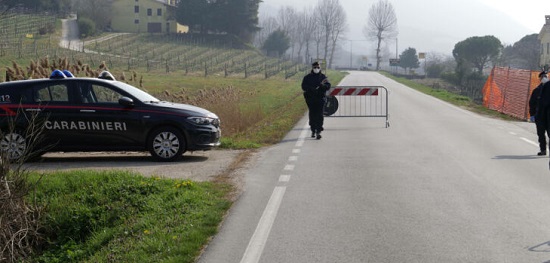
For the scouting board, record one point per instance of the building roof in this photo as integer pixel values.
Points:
(167, 2)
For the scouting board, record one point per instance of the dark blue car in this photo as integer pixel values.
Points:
(98, 114)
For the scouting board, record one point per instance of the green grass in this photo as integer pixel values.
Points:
(96, 216)
(265, 110)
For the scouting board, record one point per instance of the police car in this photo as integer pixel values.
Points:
(64, 113)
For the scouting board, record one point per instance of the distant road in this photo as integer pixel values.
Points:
(441, 184)
(70, 36)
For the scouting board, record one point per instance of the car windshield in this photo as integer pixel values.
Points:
(137, 93)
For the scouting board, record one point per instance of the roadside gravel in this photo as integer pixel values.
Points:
(214, 165)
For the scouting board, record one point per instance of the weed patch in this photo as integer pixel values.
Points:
(123, 217)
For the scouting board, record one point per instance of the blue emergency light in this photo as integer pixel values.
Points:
(68, 74)
(58, 74)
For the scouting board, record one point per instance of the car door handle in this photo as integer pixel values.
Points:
(87, 111)
(33, 110)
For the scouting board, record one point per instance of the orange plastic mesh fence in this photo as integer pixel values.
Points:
(507, 90)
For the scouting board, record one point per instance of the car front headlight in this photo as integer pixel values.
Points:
(204, 121)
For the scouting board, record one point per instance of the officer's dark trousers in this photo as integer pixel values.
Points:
(316, 118)
(541, 132)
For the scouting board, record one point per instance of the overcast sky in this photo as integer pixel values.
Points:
(437, 25)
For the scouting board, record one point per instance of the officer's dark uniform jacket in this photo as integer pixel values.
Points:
(312, 87)
(314, 93)
(543, 105)
(534, 100)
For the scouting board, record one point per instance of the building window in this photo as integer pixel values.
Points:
(136, 9)
(159, 12)
(136, 21)
(149, 12)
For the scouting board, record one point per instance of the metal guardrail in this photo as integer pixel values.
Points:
(358, 101)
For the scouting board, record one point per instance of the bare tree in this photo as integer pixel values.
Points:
(306, 28)
(339, 26)
(332, 20)
(318, 36)
(288, 19)
(381, 24)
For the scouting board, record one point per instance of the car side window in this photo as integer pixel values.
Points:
(52, 93)
(105, 95)
(86, 93)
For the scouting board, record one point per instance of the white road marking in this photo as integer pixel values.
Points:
(284, 178)
(529, 141)
(301, 138)
(257, 242)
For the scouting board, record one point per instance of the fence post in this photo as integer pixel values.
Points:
(505, 90)
(225, 69)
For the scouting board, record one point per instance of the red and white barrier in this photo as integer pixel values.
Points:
(354, 91)
(358, 101)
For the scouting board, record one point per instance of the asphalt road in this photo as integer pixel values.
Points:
(441, 184)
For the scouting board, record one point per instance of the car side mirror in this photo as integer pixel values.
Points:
(125, 101)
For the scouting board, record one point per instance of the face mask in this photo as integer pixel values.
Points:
(544, 80)
(316, 70)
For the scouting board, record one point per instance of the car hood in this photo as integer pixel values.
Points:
(186, 108)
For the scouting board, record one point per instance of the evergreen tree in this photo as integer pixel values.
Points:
(408, 59)
(194, 13)
(277, 42)
(477, 51)
(237, 17)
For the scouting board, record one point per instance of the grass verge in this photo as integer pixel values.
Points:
(94, 216)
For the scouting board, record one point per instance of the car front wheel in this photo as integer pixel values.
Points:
(14, 145)
(166, 144)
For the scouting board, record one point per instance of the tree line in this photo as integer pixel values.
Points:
(313, 33)
(236, 17)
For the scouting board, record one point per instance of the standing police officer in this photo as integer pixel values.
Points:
(315, 85)
(534, 109)
(543, 105)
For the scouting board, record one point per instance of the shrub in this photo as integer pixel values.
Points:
(451, 77)
(86, 26)
(434, 70)
(47, 29)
